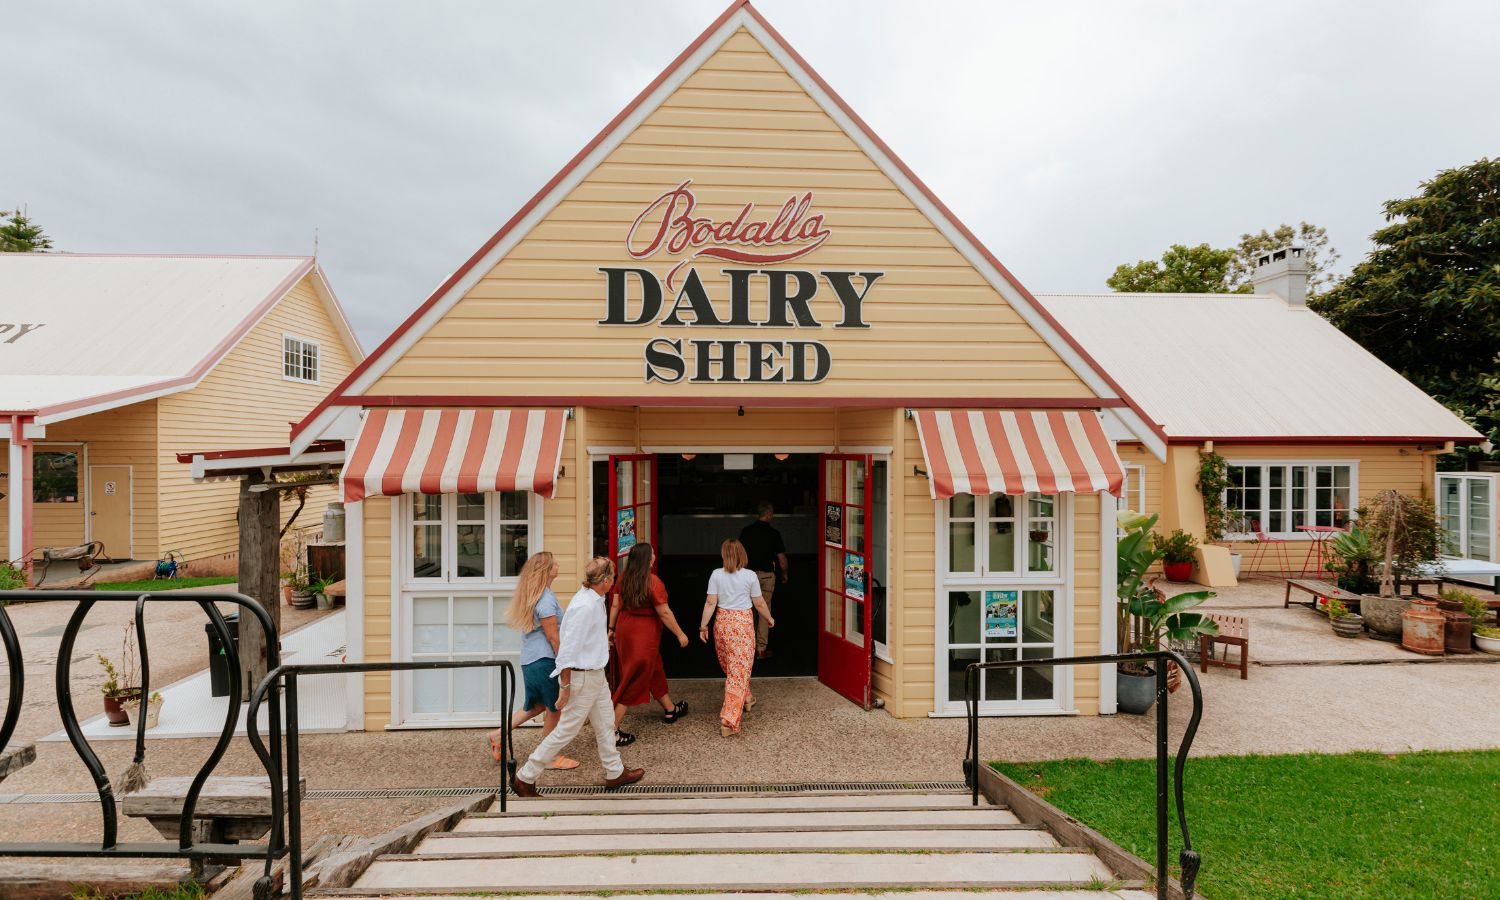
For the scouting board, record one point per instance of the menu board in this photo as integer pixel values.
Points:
(833, 524)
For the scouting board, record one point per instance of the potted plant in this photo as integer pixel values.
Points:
(319, 588)
(1176, 553)
(1487, 639)
(302, 595)
(1218, 520)
(1345, 624)
(1148, 620)
(153, 708)
(1463, 612)
(1352, 561)
(119, 687)
(1405, 535)
(286, 587)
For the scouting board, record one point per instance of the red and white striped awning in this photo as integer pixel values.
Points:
(448, 451)
(992, 451)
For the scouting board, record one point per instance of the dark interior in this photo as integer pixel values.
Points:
(701, 503)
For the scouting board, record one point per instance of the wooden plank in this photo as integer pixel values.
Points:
(16, 757)
(223, 796)
(27, 880)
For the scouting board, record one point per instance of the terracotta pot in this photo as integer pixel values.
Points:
(1422, 629)
(1383, 615)
(1174, 677)
(286, 594)
(1178, 571)
(1350, 626)
(1458, 632)
(117, 709)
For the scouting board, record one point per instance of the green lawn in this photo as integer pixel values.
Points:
(1312, 825)
(164, 584)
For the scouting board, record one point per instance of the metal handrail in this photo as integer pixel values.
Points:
(287, 676)
(1189, 859)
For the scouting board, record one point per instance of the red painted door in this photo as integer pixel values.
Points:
(632, 504)
(844, 633)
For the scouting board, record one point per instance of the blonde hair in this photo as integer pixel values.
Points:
(734, 556)
(599, 570)
(535, 576)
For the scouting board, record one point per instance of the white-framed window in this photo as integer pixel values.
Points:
(454, 627)
(457, 538)
(1132, 492)
(1003, 594)
(1280, 498)
(299, 359)
(1466, 508)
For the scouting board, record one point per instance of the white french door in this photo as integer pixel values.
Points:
(1466, 507)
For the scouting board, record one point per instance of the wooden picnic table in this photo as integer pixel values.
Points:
(232, 808)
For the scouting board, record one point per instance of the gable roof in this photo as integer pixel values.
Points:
(1231, 366)
(115, 329)
(740, 14)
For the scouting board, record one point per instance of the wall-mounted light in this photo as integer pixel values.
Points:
(782, 456)
(741, 411)
(689, 456)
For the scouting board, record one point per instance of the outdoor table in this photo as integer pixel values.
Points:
(1471, 570)
(1319, 535)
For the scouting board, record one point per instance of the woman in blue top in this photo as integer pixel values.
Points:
(535, 612)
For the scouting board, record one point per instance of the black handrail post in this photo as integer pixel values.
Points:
(505, 689)
(1161, 777)
(17, 669)
(971, 703)
(294, 788)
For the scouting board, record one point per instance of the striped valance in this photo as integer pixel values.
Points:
(992, 451)
(446, 451)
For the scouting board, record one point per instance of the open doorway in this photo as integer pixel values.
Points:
(704, 498)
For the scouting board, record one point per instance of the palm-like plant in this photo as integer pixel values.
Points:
(1149, 619)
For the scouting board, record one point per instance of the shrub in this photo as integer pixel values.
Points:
(1176, 547)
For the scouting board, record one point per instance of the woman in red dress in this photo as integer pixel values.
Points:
(637, 613)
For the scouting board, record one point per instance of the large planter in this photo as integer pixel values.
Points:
(303, 600)
(1422, 629)
(1349, 626)
(1458, 631)
(1383, 615)
(1135, 694)
(1236, 559)
(1178, 571)
(153, 712)
(325, 601)
(1487, 644)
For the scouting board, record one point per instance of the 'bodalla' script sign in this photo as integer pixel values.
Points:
(758, 297)
(10, 332)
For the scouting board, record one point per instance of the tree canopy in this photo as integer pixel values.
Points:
(1208, 270)
(1427, 300)
(19, 235)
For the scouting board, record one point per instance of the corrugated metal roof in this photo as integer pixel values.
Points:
(1247, 365)
(124, 323)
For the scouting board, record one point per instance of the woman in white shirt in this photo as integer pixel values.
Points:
(734, 591)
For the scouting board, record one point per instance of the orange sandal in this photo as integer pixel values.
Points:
(563, 764)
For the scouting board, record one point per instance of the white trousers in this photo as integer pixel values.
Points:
(588, 700)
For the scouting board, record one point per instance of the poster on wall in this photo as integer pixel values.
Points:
(1000, 614)
(833, 524)
(624, 531)
(854, 576)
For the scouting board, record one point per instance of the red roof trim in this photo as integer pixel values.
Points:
(337, 395)
(317, 447)
(484, 402)
(1328, 439)
(207, 362)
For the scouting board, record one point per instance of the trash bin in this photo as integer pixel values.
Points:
(218, 660)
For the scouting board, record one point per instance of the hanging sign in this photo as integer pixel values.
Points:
(759, 298)
(624, 531)
(833, 524)
(854, 576)
(1000, 614)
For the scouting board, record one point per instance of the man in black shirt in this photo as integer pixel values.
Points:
(767, 553)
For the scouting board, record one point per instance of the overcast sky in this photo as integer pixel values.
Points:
(1070, 137)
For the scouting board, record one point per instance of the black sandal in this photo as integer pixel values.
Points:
(624, 739)
(680, 710)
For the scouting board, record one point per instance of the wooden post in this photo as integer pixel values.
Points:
(259, 574)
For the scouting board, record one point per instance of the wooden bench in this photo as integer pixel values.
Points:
(230, 809)
(1234, 631)
(1320, 589)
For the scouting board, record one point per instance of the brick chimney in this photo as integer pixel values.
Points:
(1284, 273)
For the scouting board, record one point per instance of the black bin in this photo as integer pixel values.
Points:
(218, 660)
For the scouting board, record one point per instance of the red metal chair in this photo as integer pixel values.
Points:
(1277, 545)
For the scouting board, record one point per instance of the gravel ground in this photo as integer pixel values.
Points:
(802, 731)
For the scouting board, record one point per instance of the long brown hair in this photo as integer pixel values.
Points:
(635, 580)
(535, 576)
(734, 556)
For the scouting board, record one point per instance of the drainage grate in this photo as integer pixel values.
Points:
(864, 787)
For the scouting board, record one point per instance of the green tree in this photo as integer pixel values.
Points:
(19, 235)
(1181, 270)
(1320, 257)
(1427, 300)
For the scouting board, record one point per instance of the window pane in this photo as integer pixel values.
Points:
(856, 470)
(54, 476)
(1036, 617)
(513, 553)
(624, 482)
(427, 507)
(429, 691)
(1481, 521)
(429, 631)
(471, 551)
(504, 640)
(961, 547)
(1276, 499)
(1037, 683)
(513, 505)
(1000, 684)
(1041, 550)
(854, 528)
(427, 551)
(958, 662)
(471, 507)
(1450, 512)
(1343, 495)
(471, 625)
(1002, 506)
(961, 506)
(964, 614)
(1002, 546)
(833, 613)
(471, 690)
(1041, 506)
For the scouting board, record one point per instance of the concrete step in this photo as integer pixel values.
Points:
(731, 872)
(703, 822)
(1123, 893)
(759, 803)
(448, 844)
